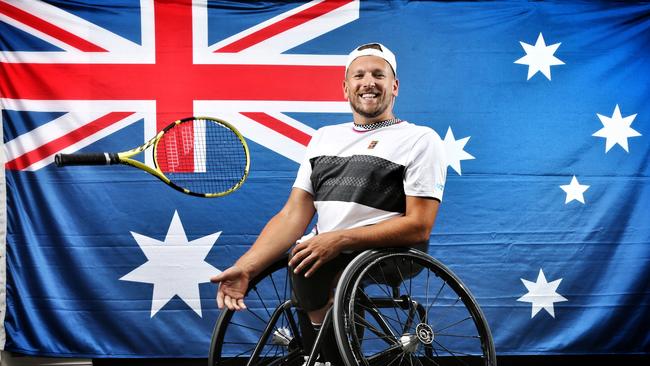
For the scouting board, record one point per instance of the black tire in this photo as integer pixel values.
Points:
(403, 307)
(237, 333)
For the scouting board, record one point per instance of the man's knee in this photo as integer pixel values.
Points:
(317, 316)
(315, 294)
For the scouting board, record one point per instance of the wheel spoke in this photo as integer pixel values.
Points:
(240, 333)
(379, 333)
(458, 324)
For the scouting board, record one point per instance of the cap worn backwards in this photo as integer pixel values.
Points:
(372, 49)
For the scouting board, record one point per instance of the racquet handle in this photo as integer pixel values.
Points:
(86, 159)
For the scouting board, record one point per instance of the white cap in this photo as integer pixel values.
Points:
(372, 49)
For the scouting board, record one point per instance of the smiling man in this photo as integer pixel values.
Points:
(375, 182)
(369, 85)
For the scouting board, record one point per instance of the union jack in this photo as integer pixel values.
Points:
(105, 82)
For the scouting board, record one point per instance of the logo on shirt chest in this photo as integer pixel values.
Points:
(372, 144)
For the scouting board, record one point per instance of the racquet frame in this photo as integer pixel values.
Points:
(125, 157)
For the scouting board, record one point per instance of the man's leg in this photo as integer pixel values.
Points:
(328, 347)
(315, 296)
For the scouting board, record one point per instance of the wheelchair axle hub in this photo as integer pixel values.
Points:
(282, 337)
(424, 333)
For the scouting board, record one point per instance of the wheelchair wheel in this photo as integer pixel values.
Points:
(267, 332)
(402, 307)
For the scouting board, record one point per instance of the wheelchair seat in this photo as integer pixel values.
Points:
(395, 306)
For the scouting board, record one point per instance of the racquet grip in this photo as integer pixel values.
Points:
(86, 159)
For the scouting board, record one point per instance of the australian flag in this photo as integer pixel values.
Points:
(542, 106)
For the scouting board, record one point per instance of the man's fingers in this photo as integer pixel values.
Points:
(304, 263)
(237, 304)
(232, 303)
(241, 304)
(217, 278)
(297, 248)
(229, 302)
(220, 299)
(313, 268)
(223, 276)
(298, 257)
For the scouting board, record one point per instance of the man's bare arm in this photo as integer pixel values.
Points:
(275, 239)
(280, 233)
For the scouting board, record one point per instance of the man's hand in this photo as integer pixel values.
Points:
(311, 254)
(233, 283)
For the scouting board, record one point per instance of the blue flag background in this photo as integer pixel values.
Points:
(543, 108)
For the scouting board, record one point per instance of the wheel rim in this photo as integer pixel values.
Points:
(237, 334)
(433, 321)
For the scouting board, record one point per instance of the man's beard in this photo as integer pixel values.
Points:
(381, 108)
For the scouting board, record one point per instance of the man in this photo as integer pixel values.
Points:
(374, 182)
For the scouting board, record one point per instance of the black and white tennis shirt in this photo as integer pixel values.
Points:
(361, 177)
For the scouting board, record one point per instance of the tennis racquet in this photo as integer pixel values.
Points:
(199, 156)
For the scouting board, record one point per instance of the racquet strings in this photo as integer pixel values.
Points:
(202, 156)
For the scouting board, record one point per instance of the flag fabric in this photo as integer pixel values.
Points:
(542, 106)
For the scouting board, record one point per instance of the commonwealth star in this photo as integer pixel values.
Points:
(616, 129)
(542, 294)
(455, 150)
(175, 266)
(539, 57)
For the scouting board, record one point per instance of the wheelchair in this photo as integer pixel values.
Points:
(391, 307)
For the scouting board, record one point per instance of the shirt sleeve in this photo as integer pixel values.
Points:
(303, 178)
(426, 169)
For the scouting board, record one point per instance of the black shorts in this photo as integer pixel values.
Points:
(313, 293)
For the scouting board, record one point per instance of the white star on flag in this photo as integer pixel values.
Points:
(539, 57)
(174, 266)
(454, 149)
(616, 129)
(542, 294)
(574, 191)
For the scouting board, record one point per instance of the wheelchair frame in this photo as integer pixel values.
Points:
(377, 317)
